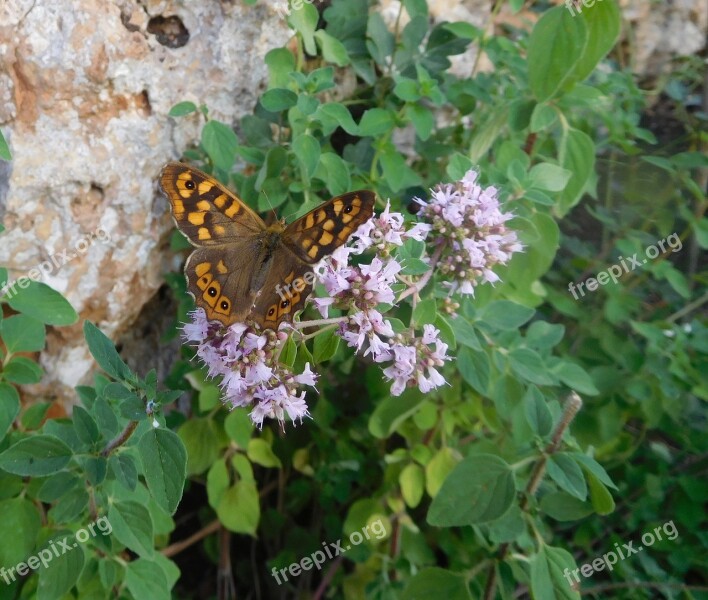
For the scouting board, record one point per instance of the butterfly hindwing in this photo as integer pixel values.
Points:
(321, 231)
(205, 211)
(219, 280)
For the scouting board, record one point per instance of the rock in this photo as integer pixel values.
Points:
(85, 88)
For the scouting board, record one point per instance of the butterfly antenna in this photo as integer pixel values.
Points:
(270, 204)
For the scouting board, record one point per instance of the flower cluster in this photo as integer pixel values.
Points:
(247, 362)
(465, 229)
(468, 228)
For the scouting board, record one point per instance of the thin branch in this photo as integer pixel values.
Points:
(120, 439)
(423, 281)
(177, 547)
(571, 408)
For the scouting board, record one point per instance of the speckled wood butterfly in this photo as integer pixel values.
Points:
(241, 265)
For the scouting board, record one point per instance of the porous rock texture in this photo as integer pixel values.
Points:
(85, 90)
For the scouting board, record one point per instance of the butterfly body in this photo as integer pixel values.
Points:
(243, 270)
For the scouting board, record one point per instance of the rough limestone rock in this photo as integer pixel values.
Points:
(85, 88)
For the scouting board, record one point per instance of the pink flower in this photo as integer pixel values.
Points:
(247, 362)
(469, 226)
(385, 231)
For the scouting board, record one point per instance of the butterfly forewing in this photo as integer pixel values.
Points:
(204, 210)
(321, 231)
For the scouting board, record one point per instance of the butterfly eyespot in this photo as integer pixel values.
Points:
(189, 184)
(211, 291)
(271, 312)
(224, 305)
(285, 304)
(348, 209)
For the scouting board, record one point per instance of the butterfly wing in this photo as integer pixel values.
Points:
(205, 211)
(285, 289)
(321, 231)
(303, 243)
(228, 236)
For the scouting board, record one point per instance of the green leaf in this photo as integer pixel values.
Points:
(434, 582)
(437, 469)
(412, 482)
(304, 21)
(164, 459)
(603, 21)
(278, 99)
(22, 371)
(479, 489)
(333, 50)
(396, 172)
(379, 40)
(22, 333)
(43, 303)
(575, 377)
(564, 507)
(548, 177)
(376, 122)
(425, 312)
(239, 427)
(325, 346)
(505, 315)
(548, 581)
(61, 573)
(4, 149)
(182, 108)
(537, 412)
(391, 412)
(422, 119)
(55, 486)
(20, 524)
(146, 580)
(556, 46)
(103, 350)
(132, 526)
(36, 456)
(307, 152)
(591, 465)
(568, 475)
(124, 470)
(577, 155)
(85, 426)
(201, 442)
(220, 143)
(600, 496)
(261, 453)
(333, 115)
(239, 509)
(474, 367)
(280, 62)
(335, 173)
(9, 407)
(529, 365)
(457, 166)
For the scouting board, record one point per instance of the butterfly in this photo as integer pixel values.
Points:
(242, 269)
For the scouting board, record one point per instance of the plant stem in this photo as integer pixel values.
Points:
(120, 439)
(423, 281)
(572, 405)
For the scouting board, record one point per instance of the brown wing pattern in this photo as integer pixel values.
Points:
(204, 210)
(321, 231)
(304, 243)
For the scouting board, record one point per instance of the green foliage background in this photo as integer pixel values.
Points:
(488, 489)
